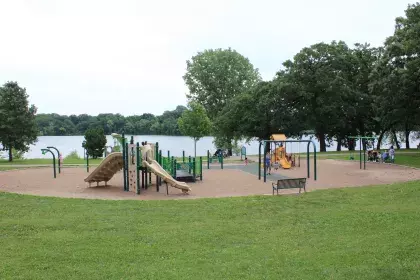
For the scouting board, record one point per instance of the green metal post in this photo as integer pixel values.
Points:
(364, 158)
(157, 151)
(174, 161)
(183, 156)
(265, 167)
(259, 160)
(189, 164)
(126, 167)
(308, 162)
(124, 156)
(161, 164)
(58, 157)
(201, 168)
(150, 178)
(221, 161)
(193, 169)
(169, 157)
(208, 159)
(360, 152)
(48, 150)
(315, 176)
(138, 167)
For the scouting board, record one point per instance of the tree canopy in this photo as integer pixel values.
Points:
(17, 119)
(215, 76)
(195, 123)
(144, 124)
(95, 142)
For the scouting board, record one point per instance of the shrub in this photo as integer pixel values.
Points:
(95, 142)
(73, 155)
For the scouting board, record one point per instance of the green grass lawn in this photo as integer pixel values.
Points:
(408, 159)
(352, 233)
(4, 168)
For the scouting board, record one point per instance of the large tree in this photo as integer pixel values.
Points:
(358, 115)
(18, 129)
(263, 110)
(398, 76)
(195, 123)
(318, 74)
(214, 77)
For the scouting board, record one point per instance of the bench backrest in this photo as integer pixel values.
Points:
(291, 183)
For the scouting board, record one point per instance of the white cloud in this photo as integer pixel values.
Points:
(129, 56)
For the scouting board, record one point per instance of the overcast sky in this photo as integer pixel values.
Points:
(129, 56)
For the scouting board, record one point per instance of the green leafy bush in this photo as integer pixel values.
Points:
(73, 155)
(95, 142)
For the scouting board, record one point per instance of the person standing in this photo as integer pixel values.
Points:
(268, 163)
(392, 154)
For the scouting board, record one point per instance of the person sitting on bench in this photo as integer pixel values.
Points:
(385, 156)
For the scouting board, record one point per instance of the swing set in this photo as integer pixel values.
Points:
(279, 155)
(362, 147)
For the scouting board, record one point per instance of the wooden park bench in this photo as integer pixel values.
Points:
(292, 183)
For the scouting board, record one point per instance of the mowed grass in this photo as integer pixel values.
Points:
(5, 168)
(408, 159)
(351, 233)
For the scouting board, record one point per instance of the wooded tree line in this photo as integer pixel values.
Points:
(145, 124)
(331, 89)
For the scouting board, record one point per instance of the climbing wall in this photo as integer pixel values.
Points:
(132, 164)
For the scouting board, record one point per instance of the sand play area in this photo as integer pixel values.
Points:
(232, 181)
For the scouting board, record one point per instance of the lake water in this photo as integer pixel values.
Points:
(175, 144)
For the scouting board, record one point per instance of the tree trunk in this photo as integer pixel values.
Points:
(10, 154)
(396, 140)
(407, 138)
(381, 136)
(338, 144)
(322, 146)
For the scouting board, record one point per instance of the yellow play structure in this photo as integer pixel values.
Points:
(279, 154)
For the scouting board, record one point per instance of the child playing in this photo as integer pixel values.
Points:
(246, 161)
(392, 153)
(268, 163)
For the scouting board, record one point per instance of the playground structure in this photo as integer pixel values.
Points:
(138, 162)
(279, 154)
